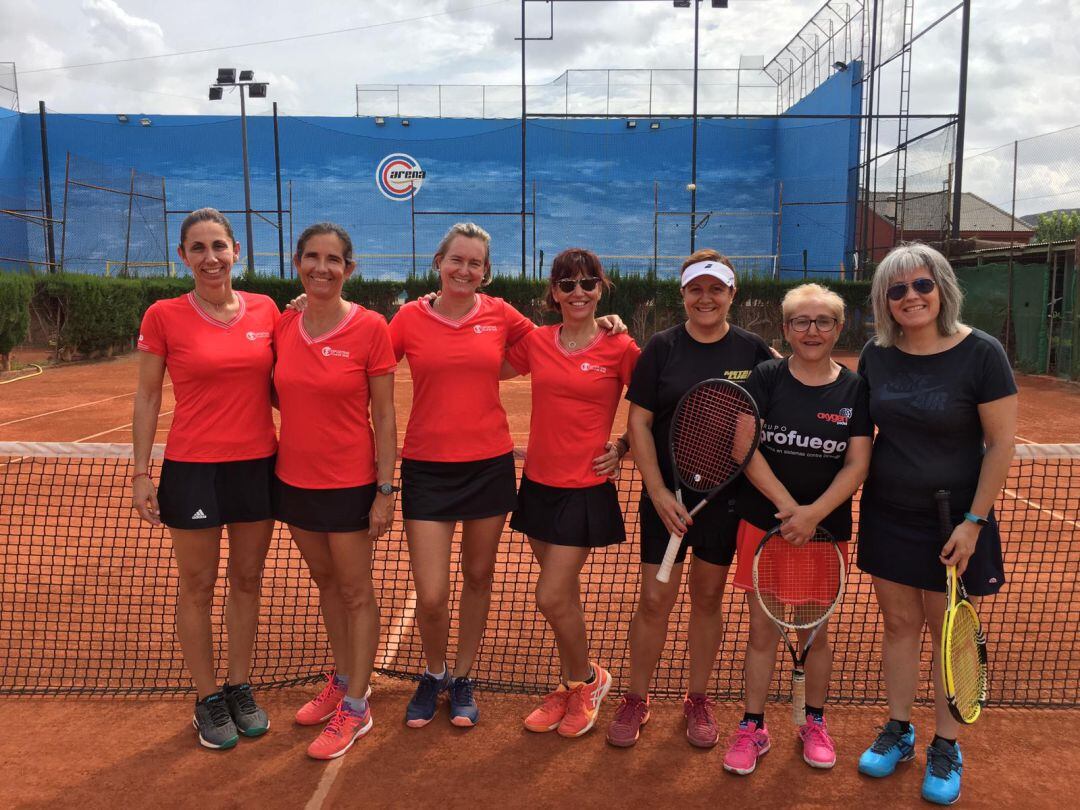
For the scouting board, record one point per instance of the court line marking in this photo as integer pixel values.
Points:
(113, 430)
(74, 407)
(1043, 509)
(1018, 438)
(326, 781)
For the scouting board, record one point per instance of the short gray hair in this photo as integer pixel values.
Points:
(469, 230)
(901, 261)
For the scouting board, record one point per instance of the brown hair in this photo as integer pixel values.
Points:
(320, 228)
(572, 262)
(706, 255)
(205, 215)
(470, 230)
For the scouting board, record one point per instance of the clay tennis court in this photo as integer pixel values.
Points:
(102, 627)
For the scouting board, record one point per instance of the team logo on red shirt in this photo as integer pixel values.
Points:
(481, 328)
(328, 352)
(591, 367)
(840, 419)
(257, 335)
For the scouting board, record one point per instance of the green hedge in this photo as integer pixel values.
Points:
(15, 293)
(92, 315)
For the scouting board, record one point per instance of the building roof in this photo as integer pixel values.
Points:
(930, 212)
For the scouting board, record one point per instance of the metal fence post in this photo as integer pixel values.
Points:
(127, 238)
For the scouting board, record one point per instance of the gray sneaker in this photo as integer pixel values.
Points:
(250, 720)
(213, 723)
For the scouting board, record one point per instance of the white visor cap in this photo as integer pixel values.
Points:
(710, 268)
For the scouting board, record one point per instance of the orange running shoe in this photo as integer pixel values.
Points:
(341, 732)
(322, 707)
(549, 714)
(583, 707)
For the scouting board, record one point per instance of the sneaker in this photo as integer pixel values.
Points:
(549, 714)
(214, 723)
(632, 714)
(426, 699)
(818, 750)
(701, 728)
(891, 746)
(340, 733)
(583, 707)
(250, 720)
(463, 710)
(744, 748)
(323, 706)
(941, 785)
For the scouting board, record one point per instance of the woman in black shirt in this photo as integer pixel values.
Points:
(814, 453)
(673, 361)
(943, 398)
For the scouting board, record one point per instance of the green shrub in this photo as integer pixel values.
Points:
(90, 315)
(16, 291)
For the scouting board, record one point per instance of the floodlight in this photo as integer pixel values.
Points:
(215, 93)
(631, 124)
(379, 121)
(404, 122)
(257, 90)
(226, 76)
(247, 75)
(719, 3)
(654, 125)
(682, 3)
(123, 119)
(145, 122)
(840, 66)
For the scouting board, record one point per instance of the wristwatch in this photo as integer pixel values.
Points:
(388, 489)
(981, 521)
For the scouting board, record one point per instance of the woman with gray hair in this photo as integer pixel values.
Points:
(943, 398)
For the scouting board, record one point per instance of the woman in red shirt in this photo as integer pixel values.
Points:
(334, 362)
(216, 344)
(567, 504)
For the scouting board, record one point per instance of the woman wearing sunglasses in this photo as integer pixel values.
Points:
(567, 504)
(943, 398)
(672, 362)
(814, 454)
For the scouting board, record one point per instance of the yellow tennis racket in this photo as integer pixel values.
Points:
(963, 643)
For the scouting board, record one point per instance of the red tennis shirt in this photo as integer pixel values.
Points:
(575, 394)
(323, 394)
(456, 411)
(220, 374)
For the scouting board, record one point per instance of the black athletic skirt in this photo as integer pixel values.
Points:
(903, 547)
(201, 495)
(458, 490)
(323, 510)
(712, 536)
(587, 517)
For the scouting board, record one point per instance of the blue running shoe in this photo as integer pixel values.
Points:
(463, 711)
(941, 785)
(891, 746)
(426, 699)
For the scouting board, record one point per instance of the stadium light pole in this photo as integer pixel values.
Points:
(243, 80)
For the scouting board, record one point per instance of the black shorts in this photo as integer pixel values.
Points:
(200, 495)
(903, 547)
(458, 490)
(712, 536)
(323, 510)
(587, 517)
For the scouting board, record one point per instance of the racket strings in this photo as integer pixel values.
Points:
(799, 585)
(966, 662)
(714, 433)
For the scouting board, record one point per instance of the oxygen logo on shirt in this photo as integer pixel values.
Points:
(328, 352)
(257, 335)
(481, 328)
(840, 419)
(781, 438)
(590, 367)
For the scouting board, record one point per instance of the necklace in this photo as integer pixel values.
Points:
(218, 307)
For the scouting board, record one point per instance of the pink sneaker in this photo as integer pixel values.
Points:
(632, 714)
(818, 750)
(701, 728)
(744, 748)
(340, 733)
(322, 707)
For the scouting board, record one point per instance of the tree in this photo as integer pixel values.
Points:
(1057, 226)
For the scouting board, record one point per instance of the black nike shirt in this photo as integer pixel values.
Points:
(926, 408)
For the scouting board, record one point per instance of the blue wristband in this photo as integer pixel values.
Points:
(981, 521)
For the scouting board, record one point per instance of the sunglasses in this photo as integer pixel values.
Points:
(823, 324)
(923, 286)
(567, 285)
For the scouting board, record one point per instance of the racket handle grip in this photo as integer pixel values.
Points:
(670, 553)
(798, 698)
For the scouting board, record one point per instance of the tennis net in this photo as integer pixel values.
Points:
(87, 594)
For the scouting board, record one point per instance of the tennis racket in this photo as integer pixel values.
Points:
(714, 433)
(963, 643)
(798, 587)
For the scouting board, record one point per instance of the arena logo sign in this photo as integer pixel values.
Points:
(399, 176)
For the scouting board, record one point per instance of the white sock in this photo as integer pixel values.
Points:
(437, 675)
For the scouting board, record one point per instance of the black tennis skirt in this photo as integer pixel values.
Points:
(713, 534)
(588, 517)
(903, 547)
(201, 495)
(323, 510)
(458, 490)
